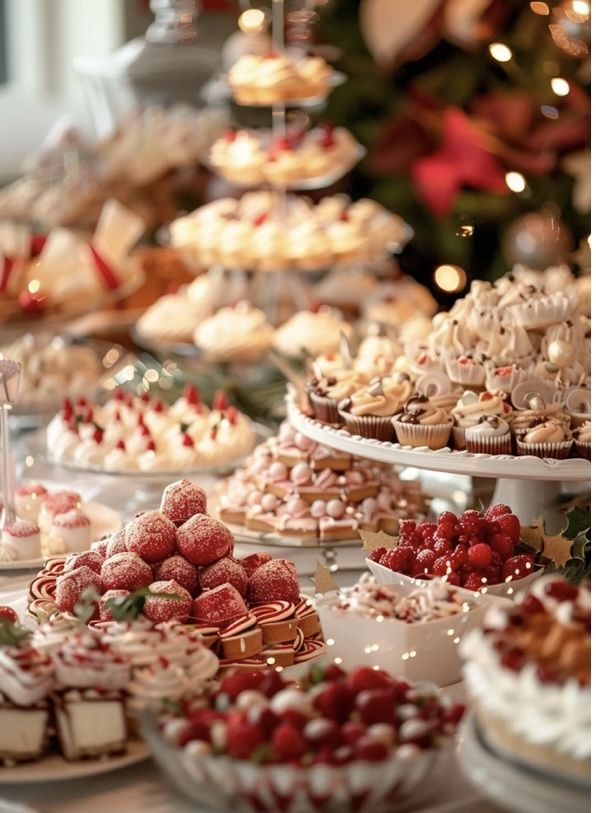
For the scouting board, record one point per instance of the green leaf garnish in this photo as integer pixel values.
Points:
(127, 608)
(13, 634)
(86, 606)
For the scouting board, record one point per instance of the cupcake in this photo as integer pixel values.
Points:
(423, 424)
(369, 411)
(326, 392)
(311, 333)
(470, 409)
(545, 437)
(490, 435)
(582, 439)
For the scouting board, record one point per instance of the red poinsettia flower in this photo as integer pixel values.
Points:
(464, 160)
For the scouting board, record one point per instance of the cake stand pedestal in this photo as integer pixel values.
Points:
(531, 486)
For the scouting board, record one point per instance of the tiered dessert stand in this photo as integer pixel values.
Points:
(529, 485)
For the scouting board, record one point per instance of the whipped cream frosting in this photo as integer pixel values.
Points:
(26, 675)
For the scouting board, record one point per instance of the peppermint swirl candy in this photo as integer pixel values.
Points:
(298, 641)
(311, 649)
(304, 608)
(273, 611)
(237, 625)
(246, 663)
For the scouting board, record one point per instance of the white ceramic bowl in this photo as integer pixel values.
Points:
(224, 784)
(424, 651)
(407, 584)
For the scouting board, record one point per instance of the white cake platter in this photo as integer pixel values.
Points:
(55, 768)
(515, 786)
(526, 484)
(104, 520)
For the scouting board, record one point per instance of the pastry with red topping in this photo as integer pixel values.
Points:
(125, 571)
(152, 536)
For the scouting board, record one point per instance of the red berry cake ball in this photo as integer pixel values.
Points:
(218, 605)
(89, 558)
(274, 581)
(152, 536)
(181, 571)
(70, 586)
(105, 613)
(116, 543)
(100, 546)
(182, 500)
(125, 571)
(8, 614)
(254, 561)
(167, 608)
(222, 571)
(203, 539)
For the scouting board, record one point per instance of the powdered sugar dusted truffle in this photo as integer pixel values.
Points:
(71, 585)
(181, 571)
(89, 558)
(73, 528)
(218, 605)
(152, 536)
(105, 612)
(182, 500)
(100, 546)
(116, 543)
(254, 561)
(167, 609)
(203, 539)
(126, 571)
(273, 581)
(24, 536)
(224, 570)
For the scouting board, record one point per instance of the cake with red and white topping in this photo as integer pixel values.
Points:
(294, 487)
(131, 433)
(349, 741)
(529, 674)
(274, 77)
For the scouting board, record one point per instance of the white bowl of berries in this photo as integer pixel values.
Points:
(335, 742)
(479, 552)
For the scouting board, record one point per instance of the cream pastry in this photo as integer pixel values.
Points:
(311, 333)
(239, 333)
(25, 537)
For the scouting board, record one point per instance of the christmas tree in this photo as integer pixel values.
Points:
(476, 120)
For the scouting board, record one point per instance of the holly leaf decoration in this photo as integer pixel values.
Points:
(569, 549)
(533, 535)
(371, 540)
(127, 608)
(12, 634)
(557, 549)
(324, 581)
(578, 521)
(86, 606)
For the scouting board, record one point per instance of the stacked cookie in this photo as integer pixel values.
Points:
(294, 487)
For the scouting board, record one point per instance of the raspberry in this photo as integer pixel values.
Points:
(502, 545)
(364, 678)
(441, 546)
(454, 578)
(474, 581)
(447, 532)
(410, 539)
(105, 613)
(459, 557)
(427, 529)
(509, 525)
(447, 518)
(377, 554)
(288, 743)
(561, 590)
(469, 522)
(407, 526)
(442, 566)
(243, 739)
(423, 564)
(517, 567)
(219, 605)
(480, 555)
(496, 511)
(400, 559)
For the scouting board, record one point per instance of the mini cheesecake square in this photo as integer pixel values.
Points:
(90, 723)
(23, 732)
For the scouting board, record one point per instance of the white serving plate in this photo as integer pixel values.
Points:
(425, 651)
(55, 768)
(104, 520)
(407, 584)
(513, 786)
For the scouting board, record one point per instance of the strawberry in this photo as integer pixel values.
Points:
(480, 555)
(517, 567)
(324, 734)
(399, 559)
(377, 554)
(371, 750)
(509, 525)
(364, 678)
(243, 739)
(238, 682)
(502, 544)
(336, 702)
(376, 706)
(474, 581)
(333, 673)
(424, 562)
(288, 743)
(497, 510)
(353, 731)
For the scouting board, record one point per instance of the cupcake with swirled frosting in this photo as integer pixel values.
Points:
(369, 410)
(582, 439)
(547, 437)
(489, 435)
(470, 409)
(422, 423)
(311, 333)
(235, 334)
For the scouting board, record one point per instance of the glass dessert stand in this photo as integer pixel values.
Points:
(531, 486)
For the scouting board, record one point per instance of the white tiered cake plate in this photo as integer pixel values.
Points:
(527, 484)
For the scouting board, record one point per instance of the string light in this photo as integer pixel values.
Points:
(252, 21)
(500, 52)
(540, 8)
(450, 278)
(549, 111)
(515, 181)
(560, 86)
(34, 286)
(581, 8)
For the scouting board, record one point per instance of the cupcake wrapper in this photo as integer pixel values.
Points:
(369, 426)
(558, 451)
(411, 434)
(468, 375)
(458, 434)
(325, 409)
(583, 450)
(489, 445)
